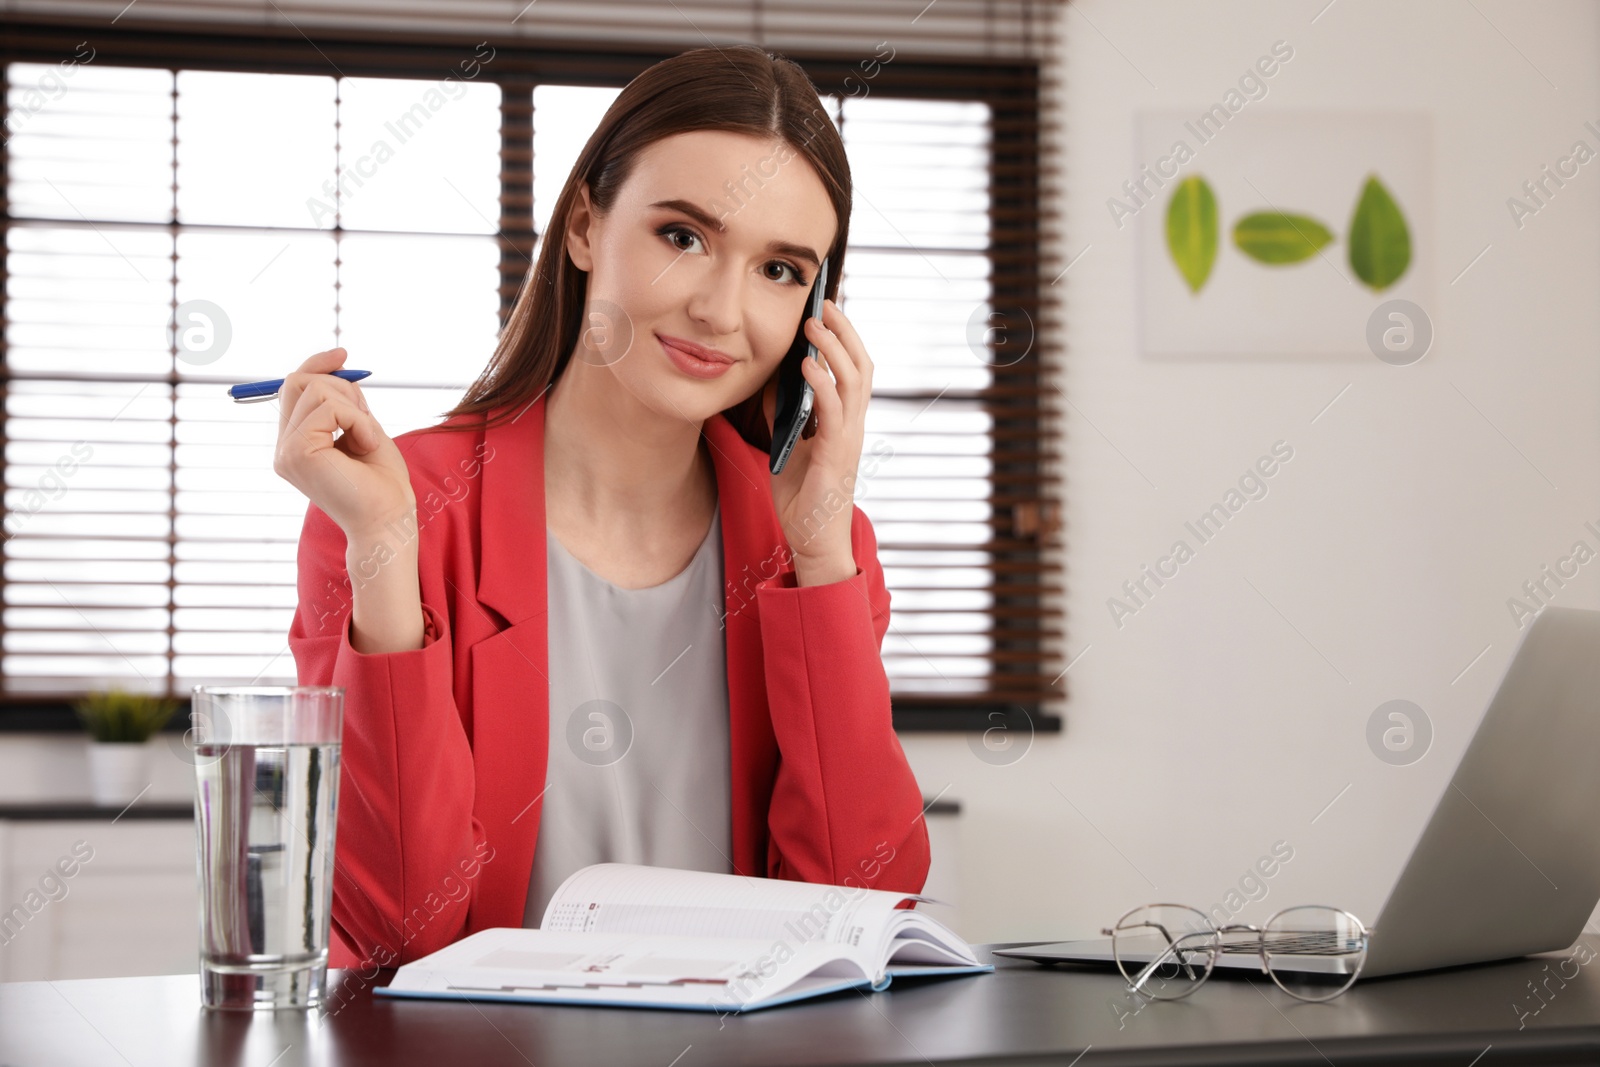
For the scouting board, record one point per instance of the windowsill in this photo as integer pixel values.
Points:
(57, 717)
(975, 719)
(63, 810)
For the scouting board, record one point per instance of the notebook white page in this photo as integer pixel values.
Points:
(630, 898)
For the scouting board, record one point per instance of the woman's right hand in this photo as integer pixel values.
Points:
(359, 479)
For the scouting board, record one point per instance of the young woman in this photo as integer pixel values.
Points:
(579, 621)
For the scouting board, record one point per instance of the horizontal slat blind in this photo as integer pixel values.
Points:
(917, 269)
(942, 28)
(166, 556)
(127, 198)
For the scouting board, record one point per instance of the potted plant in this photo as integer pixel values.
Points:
(120, 723)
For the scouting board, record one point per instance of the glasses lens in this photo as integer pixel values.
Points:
(1166, 950)
(1315, 953)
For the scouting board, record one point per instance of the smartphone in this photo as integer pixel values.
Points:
(795, 395)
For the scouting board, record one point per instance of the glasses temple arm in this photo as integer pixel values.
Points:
(1172, 948)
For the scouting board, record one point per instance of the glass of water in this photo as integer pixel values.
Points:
(267, 768)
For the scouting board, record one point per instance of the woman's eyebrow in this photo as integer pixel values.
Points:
(711, 222)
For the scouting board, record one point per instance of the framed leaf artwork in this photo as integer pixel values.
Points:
(1266, 233)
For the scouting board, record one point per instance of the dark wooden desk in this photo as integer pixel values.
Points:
(1021, 1014)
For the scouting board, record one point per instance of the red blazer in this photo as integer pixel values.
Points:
(443, 761)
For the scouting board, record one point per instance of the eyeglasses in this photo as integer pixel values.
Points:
(1167, 951)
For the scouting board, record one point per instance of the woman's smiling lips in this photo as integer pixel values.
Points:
(697, 361)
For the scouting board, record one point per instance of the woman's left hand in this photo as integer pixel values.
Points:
(815, 493)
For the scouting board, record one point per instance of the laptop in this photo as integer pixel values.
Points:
(1509, 863)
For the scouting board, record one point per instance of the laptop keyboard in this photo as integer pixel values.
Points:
(1310, 943)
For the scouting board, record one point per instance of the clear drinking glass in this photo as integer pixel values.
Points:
(267, 769)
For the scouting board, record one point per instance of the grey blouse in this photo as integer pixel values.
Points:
(639, 764)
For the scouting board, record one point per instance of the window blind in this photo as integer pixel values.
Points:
(994, 29)
(189, 175)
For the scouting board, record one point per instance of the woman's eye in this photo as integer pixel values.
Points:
(672, 233)
(794, 276)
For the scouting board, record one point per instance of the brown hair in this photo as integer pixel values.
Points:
(741, 89)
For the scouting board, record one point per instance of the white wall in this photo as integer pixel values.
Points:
(1213, 723)
(49, 768)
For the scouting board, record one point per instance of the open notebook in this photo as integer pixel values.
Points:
(623, 934)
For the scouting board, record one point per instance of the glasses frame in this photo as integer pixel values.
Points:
(1214, 949)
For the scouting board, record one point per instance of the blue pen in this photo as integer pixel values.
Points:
(250, 392)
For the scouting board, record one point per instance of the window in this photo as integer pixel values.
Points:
(148, 542)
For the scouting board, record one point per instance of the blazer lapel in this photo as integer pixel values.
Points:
(510, 672)
(751, 553)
